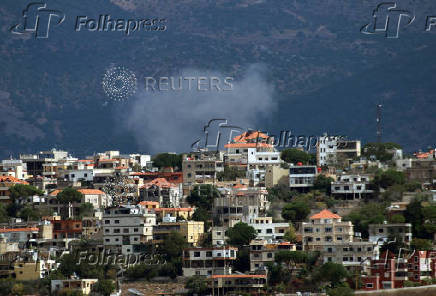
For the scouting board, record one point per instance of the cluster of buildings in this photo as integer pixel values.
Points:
(135, 204)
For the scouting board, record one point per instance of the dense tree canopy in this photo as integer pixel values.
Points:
(382, 151)
(69, 195)
(371, 213)
(292, 155)
(202, 196)
(296, 211)
(385, 179)
(164, 160)
(241, 234)
(323, 183)
(21, 190)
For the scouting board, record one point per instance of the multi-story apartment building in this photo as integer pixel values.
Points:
(302, 177)
(208, 261)
(332, 150)
(267, 229)
(84, 286)
(354, 255)
(192, 231)
(381, 233)
(201, 167)
(219, 237)
(390, 271)
(5, 183)
(13, 168)
(126, 227)
(237, 284)
(351, 187)
(35, 162)
(263, 251)
(231, 210)
(325, 227)
(160, 190)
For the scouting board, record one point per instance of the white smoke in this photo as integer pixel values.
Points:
(172, 120)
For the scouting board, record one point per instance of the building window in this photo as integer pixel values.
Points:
(196, 254)
(269, 255)
(369, 285)
(135, 229)
(117, 221)
(208, 254)
(107, 221)
(269, 230)
(126, 230)
(116, 230)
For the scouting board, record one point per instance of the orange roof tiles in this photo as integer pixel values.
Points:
(10, 179)
(160, 182)
(249, 136)
(83, 191)
(247, 145)
(225, 276)
(4, 230)
(325, 214)
(173, 209)
(144, 203)
(240, 186)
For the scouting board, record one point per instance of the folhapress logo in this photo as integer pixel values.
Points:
(37, 20)
(387, 20)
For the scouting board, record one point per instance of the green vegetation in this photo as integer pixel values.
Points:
(164, 160)
(422, 215)
(323, 184)
(290, 234)
(292, 155)
(281, 192)
(69, 195)
(230, 173)
(380, 150)
(196, 285)
(370, 213)
(202, 196)
(241, 234)
(385, 179)
(86, 210)
(296, 211)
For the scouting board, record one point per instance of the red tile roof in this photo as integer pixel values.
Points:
(9, 179)
(325, 214)
(247, 145)
(83, 191)
(28, 229)
(225, 276)
(173, 209)
(160, 182)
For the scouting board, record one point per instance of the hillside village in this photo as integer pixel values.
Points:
(245, 220)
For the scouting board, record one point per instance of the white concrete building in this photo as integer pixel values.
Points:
(381, 233)
(302, 177)
(351, 187)
(126, 227)
(208, 261)
(333, 149)
(268, 230)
